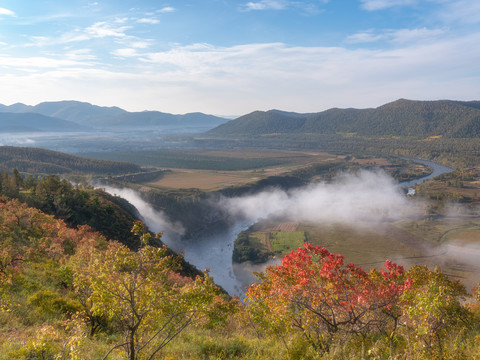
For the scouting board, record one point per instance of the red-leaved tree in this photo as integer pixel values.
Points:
(314, 292)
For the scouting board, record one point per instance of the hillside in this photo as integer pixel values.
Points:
(69, 294)
(445, 118)
(32, 122)
(47, 283)
(36, 161)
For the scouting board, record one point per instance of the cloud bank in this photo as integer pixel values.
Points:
(156, 221)
(358, 200)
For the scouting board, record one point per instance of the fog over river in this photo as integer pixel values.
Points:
(362, 200)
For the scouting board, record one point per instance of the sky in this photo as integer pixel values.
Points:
(232, 57)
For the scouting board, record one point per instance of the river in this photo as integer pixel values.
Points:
(437, 170)
(214, 251)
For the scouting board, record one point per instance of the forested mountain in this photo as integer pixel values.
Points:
(87, 114)
(31, 122)
(36, 161)
(446, 118)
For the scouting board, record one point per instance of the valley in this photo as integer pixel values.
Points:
(236, 203)
(240, 180)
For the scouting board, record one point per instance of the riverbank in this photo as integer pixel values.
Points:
(213, 249)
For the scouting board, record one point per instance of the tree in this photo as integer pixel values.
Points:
(314, 292)
(143, 293)
(17, 179)
(433, 308)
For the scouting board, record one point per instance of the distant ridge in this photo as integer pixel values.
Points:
(31, 122)
(86, 114)
(446, 118)
(76, 111)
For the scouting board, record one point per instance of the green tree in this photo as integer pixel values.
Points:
(17, 179)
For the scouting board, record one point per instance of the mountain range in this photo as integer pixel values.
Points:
(444, 118)
(81, 116)
(32, 122)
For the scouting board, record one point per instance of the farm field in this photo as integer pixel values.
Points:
(450, 242)
(454, 247)
(279, 242)
(211, 170)
(215, 159)
(207, 180)
(208, 172)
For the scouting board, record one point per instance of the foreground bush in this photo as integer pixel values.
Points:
(378, 314)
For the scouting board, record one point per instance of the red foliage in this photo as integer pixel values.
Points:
(315, 291)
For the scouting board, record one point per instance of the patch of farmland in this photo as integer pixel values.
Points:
(283, 242)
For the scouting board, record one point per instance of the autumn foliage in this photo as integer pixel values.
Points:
(72, 294)
(143, 294)
(76, 284)
(315, 294)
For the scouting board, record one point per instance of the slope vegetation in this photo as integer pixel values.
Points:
(35, 161)
(445, 118)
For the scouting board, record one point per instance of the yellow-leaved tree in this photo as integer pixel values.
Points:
(143, 293)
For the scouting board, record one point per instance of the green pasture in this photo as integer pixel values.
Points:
(283, 242)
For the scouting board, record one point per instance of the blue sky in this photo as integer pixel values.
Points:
(233, 57)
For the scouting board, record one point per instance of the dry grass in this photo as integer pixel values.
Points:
(207, 180)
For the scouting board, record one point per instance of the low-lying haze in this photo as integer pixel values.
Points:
(353, 199)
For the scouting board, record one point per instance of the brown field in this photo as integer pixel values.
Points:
(289, 226)
(210, 180)
(465, 236)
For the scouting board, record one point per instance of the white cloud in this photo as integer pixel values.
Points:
(372, 5)
(463, 11)
(37, 63)
(166, 9)
(122, 20)
(103, 29)
(127, 52)
(395, 36)
(364, 37)
(353, 199)
(156, 220)
(80, 55)
(411, 35)
(267, 5)
(98, 30)
(4, 11)
(308, 7)
(148, 21)
(243, 78)
(140, 44)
